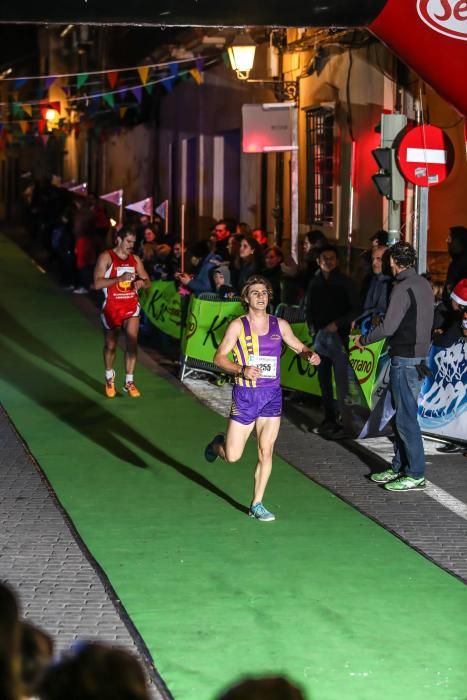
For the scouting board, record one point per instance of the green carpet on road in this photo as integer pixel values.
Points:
(323, 595)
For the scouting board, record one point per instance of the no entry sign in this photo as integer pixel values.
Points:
(425, 155)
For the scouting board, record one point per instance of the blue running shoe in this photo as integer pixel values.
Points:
(210, 455)
(259, 512)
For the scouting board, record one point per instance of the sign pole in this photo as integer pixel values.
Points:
(294, 187)
(166, 220)
(182, 236)
(422, 230)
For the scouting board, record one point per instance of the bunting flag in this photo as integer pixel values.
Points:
(20, 82)
(174, 69)
(41, 126)
(27, 109)
(108, 97)
(16, 110)
(81, 190)
(143, 74)
(24, 126)
(138, 93)
(198, 77)
(112, 77)
(200, 64)
(144, 206)
(161, 210)
(115, 197)
(123, 111)
(49, 81)
(168, 84)
(149, 87)
(56, 105)
(81, 79)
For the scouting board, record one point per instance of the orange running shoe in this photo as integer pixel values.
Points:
(110, 391)
(131, 390)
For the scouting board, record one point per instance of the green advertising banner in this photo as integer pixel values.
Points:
(207, 322)
(162, 306)
(205, 327)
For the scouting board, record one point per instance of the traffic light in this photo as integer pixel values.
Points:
(389, 181)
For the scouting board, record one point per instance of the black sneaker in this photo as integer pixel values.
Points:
(325, 428)
(450, 448)
(210, 455)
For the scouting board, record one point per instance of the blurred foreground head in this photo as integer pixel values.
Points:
(269, 688)
(10, 629)
(95, 672)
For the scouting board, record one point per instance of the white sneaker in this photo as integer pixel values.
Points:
(80, 290)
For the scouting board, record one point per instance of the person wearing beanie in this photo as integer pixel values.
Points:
(457, 249)
(455, 332)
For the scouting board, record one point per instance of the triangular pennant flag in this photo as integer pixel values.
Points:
(184, 75)
(49, 81)
(81, 79)
(56, 105)
(81, 190)
(115, 197)
(44, 139)
(66, 90)
(143, 74)
(112, 77)
(19, 83)
(24, 126)
(41, 125)
(194, 72)
(174, 69)
(138, 93)
(161, 210)
(27, 109)
(144, 206)
(16, 110)
(149, 87)
(123, 92)
(200, 64)
(168, 84)
(122, 111)
(108, 97)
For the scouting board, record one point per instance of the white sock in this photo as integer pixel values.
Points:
(109, 374)
(128, 378)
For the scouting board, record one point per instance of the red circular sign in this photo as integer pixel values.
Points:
(425, 155)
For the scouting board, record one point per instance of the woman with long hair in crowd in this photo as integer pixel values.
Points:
(249, 261)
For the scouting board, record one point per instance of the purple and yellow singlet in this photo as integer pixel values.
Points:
(263, 351)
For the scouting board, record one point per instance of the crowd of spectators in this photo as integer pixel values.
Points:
(89, 670)
(74, 230)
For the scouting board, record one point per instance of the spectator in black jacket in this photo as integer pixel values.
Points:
(407, 326)
(332, 303)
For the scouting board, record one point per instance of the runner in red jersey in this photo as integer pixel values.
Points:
(120, 275)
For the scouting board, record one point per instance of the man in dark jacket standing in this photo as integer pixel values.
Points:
(407, 325)
(332, 303)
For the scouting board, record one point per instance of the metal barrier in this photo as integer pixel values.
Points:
(292, 314)
(190, 365)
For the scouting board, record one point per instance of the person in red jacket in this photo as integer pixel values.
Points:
(120, 274)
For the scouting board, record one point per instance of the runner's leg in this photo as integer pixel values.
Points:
(110, 348)
(232, 448)
(131, 327)
(267, 430)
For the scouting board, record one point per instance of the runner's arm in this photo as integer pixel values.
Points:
(142, 276)
(291, 340)
(104, 261)
(221, 358)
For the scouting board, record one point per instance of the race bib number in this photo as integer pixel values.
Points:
(267, 365)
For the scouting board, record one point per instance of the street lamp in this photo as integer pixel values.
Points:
(242, 55)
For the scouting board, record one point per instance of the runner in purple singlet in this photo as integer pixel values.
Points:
(255, 341)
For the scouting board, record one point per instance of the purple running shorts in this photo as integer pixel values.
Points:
(248, 404)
